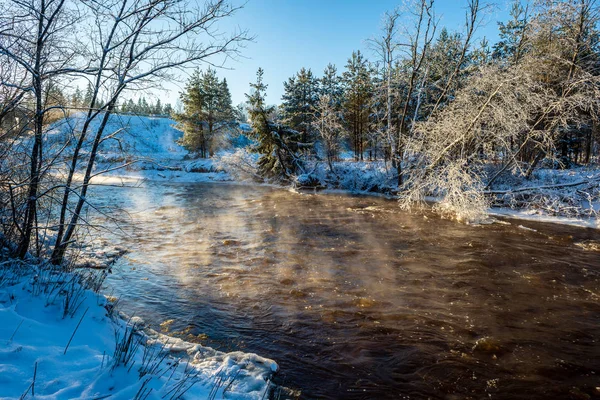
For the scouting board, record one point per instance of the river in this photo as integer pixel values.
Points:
(356, 299)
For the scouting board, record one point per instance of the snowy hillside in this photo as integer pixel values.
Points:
(126, 135)
(135, 147)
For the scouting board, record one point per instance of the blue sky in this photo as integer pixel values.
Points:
(291, 34)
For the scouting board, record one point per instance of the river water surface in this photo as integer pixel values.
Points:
(357, 300)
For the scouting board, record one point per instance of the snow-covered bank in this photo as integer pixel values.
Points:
(151, 143)
(536, 216)
(570, 197)
(61, 341)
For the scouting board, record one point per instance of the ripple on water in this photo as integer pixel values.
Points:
(357, 300)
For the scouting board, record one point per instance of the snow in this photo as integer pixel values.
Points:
(533, 215)
(34, 336)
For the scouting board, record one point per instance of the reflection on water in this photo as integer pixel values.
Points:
(357, 300)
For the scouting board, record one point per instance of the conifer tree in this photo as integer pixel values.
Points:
(87, 98)
(275, 143)
(357, 91)
(299, 102)
(514, 35)
(207, 112)
(76, 98)
(158, 108)
(331, 85)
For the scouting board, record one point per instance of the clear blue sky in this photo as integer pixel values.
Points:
(291, 34)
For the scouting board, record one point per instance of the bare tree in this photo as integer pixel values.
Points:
(115, 46)
(386, 48)
(34, 37)
(418, 42)
(329, 125)
(141, 42)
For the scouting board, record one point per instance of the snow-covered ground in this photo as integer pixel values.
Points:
(59, 341)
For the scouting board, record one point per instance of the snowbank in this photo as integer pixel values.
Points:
(62, 341)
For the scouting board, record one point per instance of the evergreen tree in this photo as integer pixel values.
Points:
(77, 98)
(513, 44)
(225, 105)
(275, 143)
(158, 108)
(331, 85)
(146, 109)
(207, 112)
(131, 106)
(444, 55)
(482, 55)
(299, 103)
(357, 92)
(89, 94)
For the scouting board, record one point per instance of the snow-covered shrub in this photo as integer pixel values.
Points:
(308, 180)
(451, 148)
(241, 164)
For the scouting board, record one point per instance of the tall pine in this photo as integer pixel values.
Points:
(275, 143)
(299, 103)
(358, 89)
(207, 113)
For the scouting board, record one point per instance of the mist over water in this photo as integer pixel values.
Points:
(357, 300)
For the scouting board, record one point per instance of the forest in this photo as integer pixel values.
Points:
(457, 118)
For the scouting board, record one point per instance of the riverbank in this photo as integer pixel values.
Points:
(148, 150)
(61, 339)
(373, 179)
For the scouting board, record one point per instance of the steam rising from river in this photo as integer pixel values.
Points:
(351, 296)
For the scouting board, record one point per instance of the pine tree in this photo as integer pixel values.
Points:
(444, 55)
(89, 94)
(145, 107)
(299, 102)
(77, 98)
(514, 35)
(482, 55)
(331, 85)
(207, 112)
(357, 91)
(158, 108)
(131, 106)
(275, 143)
(226, 110)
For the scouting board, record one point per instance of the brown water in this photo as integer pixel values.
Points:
(357, 300)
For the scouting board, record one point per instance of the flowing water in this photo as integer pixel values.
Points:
(357, 300)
